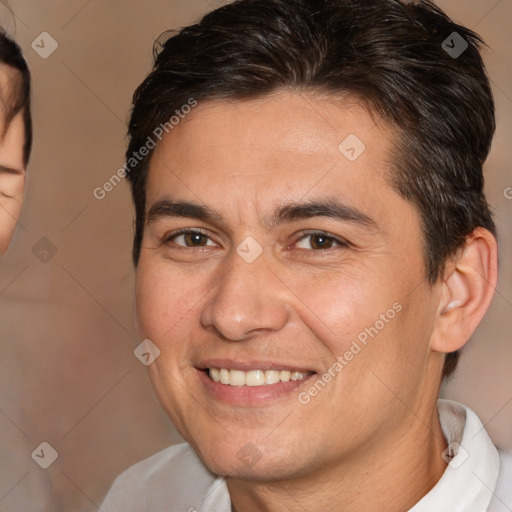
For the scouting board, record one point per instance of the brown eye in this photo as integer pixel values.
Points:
(319, 241)
(190, 238)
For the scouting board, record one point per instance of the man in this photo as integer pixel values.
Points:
(16, 135)
(313, 249)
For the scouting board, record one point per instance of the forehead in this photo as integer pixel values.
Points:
(278, 127)
(252, 153)
(297, 123)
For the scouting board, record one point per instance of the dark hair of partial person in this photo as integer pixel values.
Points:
(15, 95)
(387, 54)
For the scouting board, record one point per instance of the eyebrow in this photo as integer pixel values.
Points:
(10, 170)
(331, 208)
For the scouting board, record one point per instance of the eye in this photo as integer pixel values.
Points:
(189, 238)
(319, 240)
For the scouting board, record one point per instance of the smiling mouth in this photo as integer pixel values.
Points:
(254, 377)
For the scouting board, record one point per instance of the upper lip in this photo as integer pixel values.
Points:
(254, 364)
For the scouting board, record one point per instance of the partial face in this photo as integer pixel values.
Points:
(269, 253)
(12, 167)
(12, 179)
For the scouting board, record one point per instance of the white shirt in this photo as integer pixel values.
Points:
(477, 479)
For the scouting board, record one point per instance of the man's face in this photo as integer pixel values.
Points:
(320, 284)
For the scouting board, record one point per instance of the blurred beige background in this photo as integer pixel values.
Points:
(68, 375)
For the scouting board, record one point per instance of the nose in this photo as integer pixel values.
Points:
(248, 299)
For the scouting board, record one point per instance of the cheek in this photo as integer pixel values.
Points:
(12, 185)
(394, 355)
(7, 227)
(377, 327)
(165, 300)
(11, 197)
(341, 308)
(10, 210)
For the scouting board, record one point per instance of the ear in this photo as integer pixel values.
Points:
(468, 286)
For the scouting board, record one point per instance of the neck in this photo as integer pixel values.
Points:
(389, 476)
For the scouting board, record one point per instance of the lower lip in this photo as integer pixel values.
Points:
(250, 396)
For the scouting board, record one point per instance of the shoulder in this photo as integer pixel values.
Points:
(173, 479)
(502, 499)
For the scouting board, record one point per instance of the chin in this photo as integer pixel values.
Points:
(249, 461)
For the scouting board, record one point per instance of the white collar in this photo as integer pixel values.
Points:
(468, 482)
(470, 478)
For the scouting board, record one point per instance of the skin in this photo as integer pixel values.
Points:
(12, 180)
(371, 439)
(12, 165)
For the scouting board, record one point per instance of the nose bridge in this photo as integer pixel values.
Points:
(245, 299)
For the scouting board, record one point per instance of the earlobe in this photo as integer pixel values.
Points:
(467, 290)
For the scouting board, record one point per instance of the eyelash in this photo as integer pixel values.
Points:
(339, 241)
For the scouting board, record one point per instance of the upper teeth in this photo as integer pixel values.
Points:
(253, 377)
